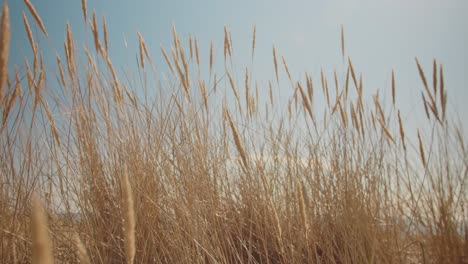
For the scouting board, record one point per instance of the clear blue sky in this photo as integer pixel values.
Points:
(380, 35)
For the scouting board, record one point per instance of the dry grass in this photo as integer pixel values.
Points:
(42, 252)
(184, 175)
(129, 218)
(4, 47)
(36, 16)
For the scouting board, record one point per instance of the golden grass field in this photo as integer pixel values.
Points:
(94, 170)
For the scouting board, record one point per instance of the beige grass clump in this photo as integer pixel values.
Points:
(42, 252)
(208, 182)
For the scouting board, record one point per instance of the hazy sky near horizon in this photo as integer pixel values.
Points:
(379, 35)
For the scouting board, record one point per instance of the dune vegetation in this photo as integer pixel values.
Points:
(198, 168)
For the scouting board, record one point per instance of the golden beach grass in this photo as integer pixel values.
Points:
(291, 174)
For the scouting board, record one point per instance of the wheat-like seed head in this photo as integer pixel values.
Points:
(4, 47)
(227, 43)
(286, 68)
(402, 131)
(306, 102)
(434, 77)
(90, 60)
(421, 150)
(423, 78)
(29, 76)
(237, 140)
(275, 62)
(344, 116)
(84, 8)
(379, 108)
(118, 95)
(247, 93)
(203, 92)
(29, 33)
(426, 110)
(106, 37)
(61, 72)
(191, 46)
(327, 93)
(361, 121)
(9, 103)
(36, 16)
(385, 129)
(94, 29)
(233, 86)
(211, 57)
(443, 92)
(53, 128)
(18, 89)
(197, 54)
(310, 88)
(215, 83)
(393, 87)
(140, 46)
(71, 51)
(181, 73)
(168, 61)
(353, 74)
(270, 92)
(335, 77)
(39, 84)
(254, 38)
